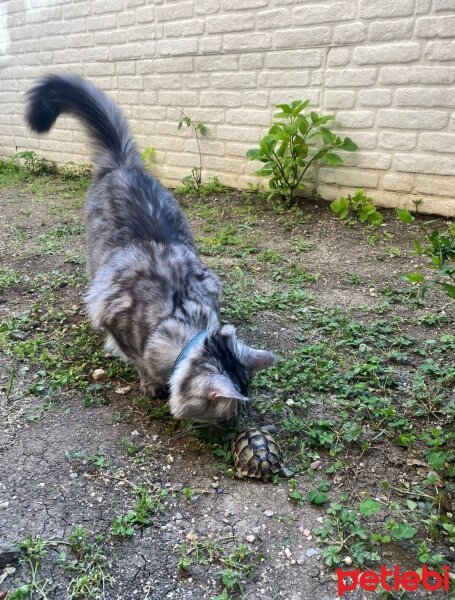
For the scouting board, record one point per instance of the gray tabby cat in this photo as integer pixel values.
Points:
(149, 293)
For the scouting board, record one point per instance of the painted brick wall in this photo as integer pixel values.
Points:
(385, 68)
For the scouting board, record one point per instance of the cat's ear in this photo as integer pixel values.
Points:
(222, 387)
(255, 359)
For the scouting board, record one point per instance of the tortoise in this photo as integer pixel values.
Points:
(256, 454)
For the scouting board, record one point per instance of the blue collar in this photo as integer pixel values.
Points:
(184, 353)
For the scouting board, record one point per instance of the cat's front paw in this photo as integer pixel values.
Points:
(154, 390)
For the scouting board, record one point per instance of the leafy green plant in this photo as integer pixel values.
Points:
(147, 505)
(286, 151)
(87, 566)
(36, 165)
(439, 247)
(193, 182)
(360, 204)
(148, 157)
(8, 277)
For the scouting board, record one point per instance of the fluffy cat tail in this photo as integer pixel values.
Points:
(65, 93)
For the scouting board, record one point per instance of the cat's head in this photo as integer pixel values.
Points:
(211, 384)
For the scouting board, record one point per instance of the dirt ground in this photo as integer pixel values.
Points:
(74, 452)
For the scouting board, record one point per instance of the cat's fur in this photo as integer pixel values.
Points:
(149, 292)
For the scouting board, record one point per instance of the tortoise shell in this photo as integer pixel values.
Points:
(256, 454)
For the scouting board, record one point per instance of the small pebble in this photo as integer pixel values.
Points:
(316, 464)
(250, 539)
(347, 560)
(178, 516)
(215, 484)
(169, 459)
(191, 536)
(123, 390)
(311, 552)
(268, 513)
(320, 519)
(288, 553)
(306, 532)
(98, 374)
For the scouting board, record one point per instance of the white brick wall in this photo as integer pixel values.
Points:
(385, 68)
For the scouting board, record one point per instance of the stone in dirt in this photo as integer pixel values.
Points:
(99, 375)
(9, 554)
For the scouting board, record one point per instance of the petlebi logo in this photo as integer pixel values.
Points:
(393, 579)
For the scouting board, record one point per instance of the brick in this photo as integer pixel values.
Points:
(290, 94)
(178, 98)
(350, 77)
(125, 19)
(385, 8)
(104, 22)
(230, 99)
(177, 47)
(159, 82)
(210, 45)
(391, 53)
(437, 142)
(375, 97)
(237, 149)
(52, 43)
(368, 160)
(93, 54)
(277, 18)
(80, 40)
(176, 65)
(292, 59)
(355, 119)
(412, 119)
(248, 41)
(212, 147)
(242, 4)
(354, 178)
(339, 99)
(129, 97)
(283, 79)
(392, 140)
(367, 140)
(398, 182)
(440, 50)
(338, 57)
(423, 7)
(125, 52)
(196, 81)
(417, 74)
(428, 184)
(436, 27)
(324, 13)
(248, 62)
(292, 38)
(184, 28)
(248, 116)
(208, 115)
(234, 165)
(70, 11)
(216, 63)
(425, 97)
(173, 12)
(78, 25)
(141, 32)
(424, 163)
(255, 99)
(350, 33)
(109, 37)
(131, 83)
(233, 80)
(145, 14)
(66, 56)
(443, 5)
(227, 24)
(106, 6)
(206, 7)
(387, 31)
